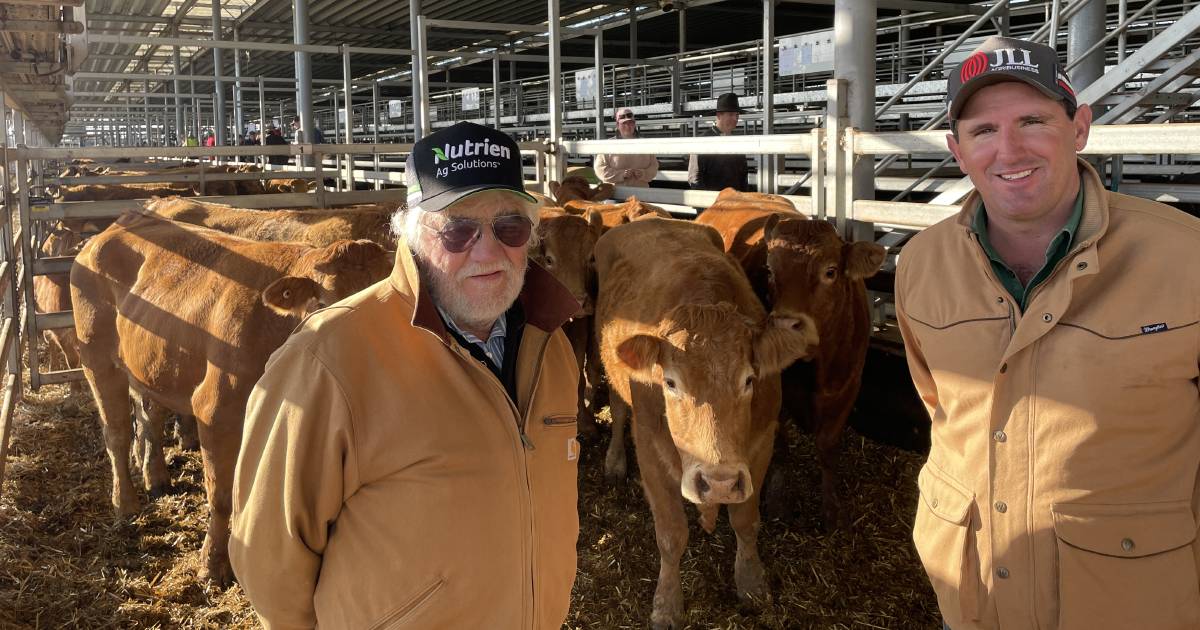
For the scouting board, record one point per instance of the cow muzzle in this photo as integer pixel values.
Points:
(718, 484)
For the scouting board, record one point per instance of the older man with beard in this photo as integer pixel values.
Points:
(412, 448)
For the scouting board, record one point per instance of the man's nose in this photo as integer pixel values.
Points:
(487, 247)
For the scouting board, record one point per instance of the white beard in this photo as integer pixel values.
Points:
(470, 314)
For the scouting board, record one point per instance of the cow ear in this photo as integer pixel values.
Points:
(290, 295)
(862, 259)
(769, 227)
(554, 186)
(595, 221)
(783, 342)
(639, 353)
(362, 254)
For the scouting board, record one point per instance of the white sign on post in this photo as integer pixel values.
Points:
(395, 109)
(803, 54)
(585, 85)
(470, 99)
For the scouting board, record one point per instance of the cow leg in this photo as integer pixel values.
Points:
(218, 484)
(151, 418)
(110, 387)
(185, 431)
(829, 446)
(577, 333)
(615, 466)
(671, 534)
(749, 575)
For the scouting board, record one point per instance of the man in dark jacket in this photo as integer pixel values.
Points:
(275, 138)
(718, 172)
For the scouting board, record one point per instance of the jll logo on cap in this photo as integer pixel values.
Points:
(1015, 58)
(973, 66)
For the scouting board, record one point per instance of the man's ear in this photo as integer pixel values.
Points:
(1083, 125)
(952, 144)
(290, 295)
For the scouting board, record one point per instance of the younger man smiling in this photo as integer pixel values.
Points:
(1053, 332)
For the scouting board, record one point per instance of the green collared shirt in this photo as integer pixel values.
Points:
(1058, 249)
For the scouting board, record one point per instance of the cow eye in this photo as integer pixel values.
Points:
(749, 381)
(670, 383)
(549, 260)
(831, 272)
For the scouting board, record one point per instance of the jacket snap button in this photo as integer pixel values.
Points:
(1081, 266)
(1047, 317)
(1002, 573)
(999, 436)
(934, 502)
(1127, 544)
(1000, 300)
(1002, 507)
(1003, 368)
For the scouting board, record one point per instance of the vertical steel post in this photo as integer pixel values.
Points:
(683, 30)
(146, 108)
(218, 86)
(836, 161)
(1084, 29)
(1055, 12)
(35, 376)
(304, 98)
(558, 165)
(375, 132)
(854, 63)
(239, 125)
(633, 37)
(180, 134)
(420, 93)
(347, 90)
(766, 173)
(496, 89)
(1122, 15)
(599, 96)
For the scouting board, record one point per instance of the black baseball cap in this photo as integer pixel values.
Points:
(1000, 59)
(459, 161)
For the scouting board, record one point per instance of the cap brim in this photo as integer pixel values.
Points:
(974, 85)
(442, 201)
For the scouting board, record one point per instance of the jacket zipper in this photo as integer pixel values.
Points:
(523, 465)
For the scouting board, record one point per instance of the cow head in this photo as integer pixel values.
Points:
(326, 275)
(707, 359)
(574, 187)
(812, 270)
(564, 247)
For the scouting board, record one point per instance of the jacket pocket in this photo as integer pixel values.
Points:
(398, 616)
(560, 420)
(1126, 566)
(946, 543)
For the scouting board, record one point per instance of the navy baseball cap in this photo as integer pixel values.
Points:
(462, 160)
(1000, 59)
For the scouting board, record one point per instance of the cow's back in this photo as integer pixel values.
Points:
(317, 228)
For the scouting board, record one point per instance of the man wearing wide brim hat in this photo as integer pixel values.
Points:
(718, 172)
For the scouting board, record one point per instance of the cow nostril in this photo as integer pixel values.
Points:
(701, 485)
(740, 486)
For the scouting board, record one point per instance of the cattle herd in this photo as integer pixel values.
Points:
(705, 335)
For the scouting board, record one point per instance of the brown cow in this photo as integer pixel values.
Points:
(114, 192)
(688, 345)
(803, 268)
(187, 317)
(574, 187)
(52, 292)
(314, 227)
(619, 213)
(564, 248)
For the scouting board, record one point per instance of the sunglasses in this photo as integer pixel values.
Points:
(458, 235)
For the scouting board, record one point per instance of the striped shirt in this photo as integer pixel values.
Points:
(493, 347)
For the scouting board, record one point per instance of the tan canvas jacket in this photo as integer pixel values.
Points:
(382, 481)
(1061, 488)
(610, 168)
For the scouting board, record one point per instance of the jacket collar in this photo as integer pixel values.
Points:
(546, 302)
(1092, 224)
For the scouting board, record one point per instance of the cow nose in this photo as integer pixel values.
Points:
(723, 485)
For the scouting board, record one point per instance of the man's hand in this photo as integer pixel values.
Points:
(633, 173)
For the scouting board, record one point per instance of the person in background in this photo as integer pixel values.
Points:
(275, 138)
(191, 140)
(409, 456)
(1052, 329)
(626, 170)
(318, 137)
(718, 172)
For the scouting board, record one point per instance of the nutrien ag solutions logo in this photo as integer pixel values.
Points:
(454, 154)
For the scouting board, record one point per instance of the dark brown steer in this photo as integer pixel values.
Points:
(690, 348)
